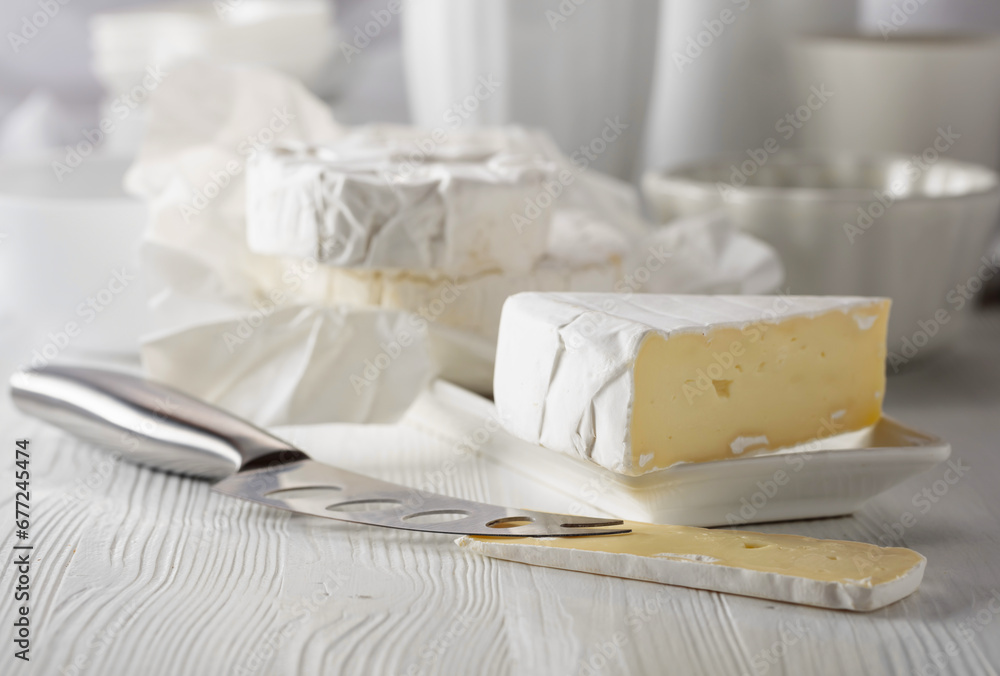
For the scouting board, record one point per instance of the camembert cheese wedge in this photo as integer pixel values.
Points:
(640, 382)
(789, 568)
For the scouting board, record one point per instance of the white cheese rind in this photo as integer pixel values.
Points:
(563, 366)
(689, 572)
(373, 207)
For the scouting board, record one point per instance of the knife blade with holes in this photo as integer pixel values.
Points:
(160, 427)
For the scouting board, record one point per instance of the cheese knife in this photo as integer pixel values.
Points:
(163, 428)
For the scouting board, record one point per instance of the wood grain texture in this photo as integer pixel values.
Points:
(137, 572)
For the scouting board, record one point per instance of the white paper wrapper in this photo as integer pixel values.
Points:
(310, 335)
(307, 364)
(708, 256)
(205, 124)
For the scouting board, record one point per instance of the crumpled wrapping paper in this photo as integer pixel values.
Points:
(708, 256)
(235, 328)
(302, 364)
(205, 124)
(226, 325)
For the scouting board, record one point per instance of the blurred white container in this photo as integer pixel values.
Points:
(723, 78)
(293, 36)
(69, 275)
(903, 94)
(891, 17)
(855, 225)
(572, 68)
(133, 50)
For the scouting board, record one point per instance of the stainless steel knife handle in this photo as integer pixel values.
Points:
(156, 425)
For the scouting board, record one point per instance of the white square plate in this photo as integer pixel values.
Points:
(829, 478)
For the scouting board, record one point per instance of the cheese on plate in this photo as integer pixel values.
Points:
(639, 382)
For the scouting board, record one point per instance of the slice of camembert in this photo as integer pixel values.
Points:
(639, 382)
(789, 568)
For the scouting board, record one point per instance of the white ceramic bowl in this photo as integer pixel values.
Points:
(67, 243)
(855, 225)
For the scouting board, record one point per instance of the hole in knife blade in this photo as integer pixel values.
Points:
(436, 516)
(599, 524)
(306, 492)
(364, 506)
(511, 522)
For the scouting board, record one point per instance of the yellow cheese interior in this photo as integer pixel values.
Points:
(760, 387)
(825, 560)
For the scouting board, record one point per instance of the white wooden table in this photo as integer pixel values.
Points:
(140, 573)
